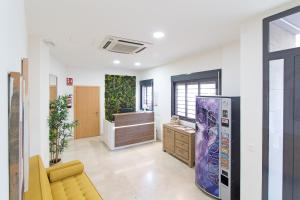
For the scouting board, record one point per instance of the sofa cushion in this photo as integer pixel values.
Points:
(77, 187)
(61, 166)
(65, 172)
(39, 187)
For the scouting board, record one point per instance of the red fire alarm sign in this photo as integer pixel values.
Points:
(69, 81)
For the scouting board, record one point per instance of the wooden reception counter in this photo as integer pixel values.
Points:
(129, 129)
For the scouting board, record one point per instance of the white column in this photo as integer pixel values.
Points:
(39, 63)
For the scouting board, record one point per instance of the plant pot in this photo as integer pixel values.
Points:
(55, 161)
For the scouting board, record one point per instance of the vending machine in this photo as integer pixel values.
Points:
(217, 143)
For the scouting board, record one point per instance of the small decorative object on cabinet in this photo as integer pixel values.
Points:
(175, 120)
(179, 141)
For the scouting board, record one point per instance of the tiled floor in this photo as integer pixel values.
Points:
(139, 173)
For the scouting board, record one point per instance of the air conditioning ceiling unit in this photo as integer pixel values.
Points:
(122, 45)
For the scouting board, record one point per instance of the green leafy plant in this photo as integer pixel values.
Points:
(119, 93)
(60, 129)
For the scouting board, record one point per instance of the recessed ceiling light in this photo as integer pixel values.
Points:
(137, 64)
(116, 62)
(158, 35)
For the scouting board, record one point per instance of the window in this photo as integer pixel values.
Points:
(147, 97)
(180, 99)
(284, 33)
(186, 94)
(146, 100)
(192, 92)
(185, 88)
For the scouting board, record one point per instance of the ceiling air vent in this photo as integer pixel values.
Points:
(125, 46)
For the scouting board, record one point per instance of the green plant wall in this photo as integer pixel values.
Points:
(119, 93)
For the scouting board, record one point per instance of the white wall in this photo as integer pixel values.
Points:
(251, 104)
(96, 77)
(13, 40)
(231, 69)
(225, 58)
(251, 110)
(59, 70)
(39, 64)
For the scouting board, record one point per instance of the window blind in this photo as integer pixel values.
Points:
(180, 99)
(186, 92)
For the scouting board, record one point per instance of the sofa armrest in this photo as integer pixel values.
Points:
(64, 170)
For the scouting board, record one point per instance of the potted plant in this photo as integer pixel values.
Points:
(60, 129)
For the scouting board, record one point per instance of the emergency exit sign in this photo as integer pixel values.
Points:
(69, 81)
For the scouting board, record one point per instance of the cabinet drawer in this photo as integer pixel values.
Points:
(181, 137)
(182, 153)
(182, 145)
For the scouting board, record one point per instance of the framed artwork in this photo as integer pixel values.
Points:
(15, 136)
(18, 132)
(25, 106)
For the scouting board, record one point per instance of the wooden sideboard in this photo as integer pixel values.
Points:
(179, 141)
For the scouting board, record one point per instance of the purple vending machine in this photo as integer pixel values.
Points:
(207, 145)
(217, 146)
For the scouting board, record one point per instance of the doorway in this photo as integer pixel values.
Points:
(281, 111)
(52, 87)
(87, 111)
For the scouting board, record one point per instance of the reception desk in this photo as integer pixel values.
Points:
(129, 129)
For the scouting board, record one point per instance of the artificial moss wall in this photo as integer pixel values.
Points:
(119, 93)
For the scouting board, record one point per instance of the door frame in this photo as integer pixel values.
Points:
(75, 106)
(287, 55)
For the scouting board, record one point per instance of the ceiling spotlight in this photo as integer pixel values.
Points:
(158, 35)
(116, 62)
(137, 64)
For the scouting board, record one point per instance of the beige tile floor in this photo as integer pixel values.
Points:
(142, 172)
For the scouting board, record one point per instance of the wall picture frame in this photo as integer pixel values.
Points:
(18, 131)
(15, 136)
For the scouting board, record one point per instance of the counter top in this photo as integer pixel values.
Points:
(132, 113)
(183, 128)
(133, 118)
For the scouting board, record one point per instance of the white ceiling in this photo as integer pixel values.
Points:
(77, 27)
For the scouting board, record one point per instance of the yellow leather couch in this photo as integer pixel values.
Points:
(66, 181)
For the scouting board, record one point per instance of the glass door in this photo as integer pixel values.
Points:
(281, 107)
(296, 172)
(280, 135)
(276, 98)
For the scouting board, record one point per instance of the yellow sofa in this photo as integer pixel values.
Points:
(66, 181)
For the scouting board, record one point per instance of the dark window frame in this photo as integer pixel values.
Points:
(199, 77)
(148, 82)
